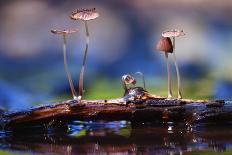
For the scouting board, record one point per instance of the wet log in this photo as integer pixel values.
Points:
(136, 106)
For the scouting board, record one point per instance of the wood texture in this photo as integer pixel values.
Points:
(137, 106)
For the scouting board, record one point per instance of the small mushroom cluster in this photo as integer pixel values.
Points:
(167, 46)
(83, 15)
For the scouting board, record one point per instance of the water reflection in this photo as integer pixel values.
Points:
(121, 137)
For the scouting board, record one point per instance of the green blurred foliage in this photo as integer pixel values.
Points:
(112, 88)
(208, 152)
(81, 133)
(11, 153)
(105, 88)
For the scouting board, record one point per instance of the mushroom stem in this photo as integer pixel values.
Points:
(144, 83)
(177, 70)
(84, 61)
(74, 94)
(178, 76)
(169, 76)
(173, 43)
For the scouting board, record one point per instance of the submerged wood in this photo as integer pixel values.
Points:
(137, 106)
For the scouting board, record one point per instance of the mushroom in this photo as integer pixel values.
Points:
(173, 34)
(64, 33)
(84, 15)
(126, 80)
(165, 45)
(141, 74)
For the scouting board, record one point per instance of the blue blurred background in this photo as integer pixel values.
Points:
(122, 40)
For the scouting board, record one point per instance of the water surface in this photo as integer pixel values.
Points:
(120, 137)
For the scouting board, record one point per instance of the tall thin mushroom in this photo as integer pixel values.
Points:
(173, 34)
(84, 15)
(165, 45)
(64, 33)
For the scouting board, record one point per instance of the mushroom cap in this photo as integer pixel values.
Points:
(128, 79)
(84, 14)
(173, 33)
(165, 45)
(70, 31)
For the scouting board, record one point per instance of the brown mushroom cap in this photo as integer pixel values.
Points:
(56, 31)
(165, 45)
(84, 14)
